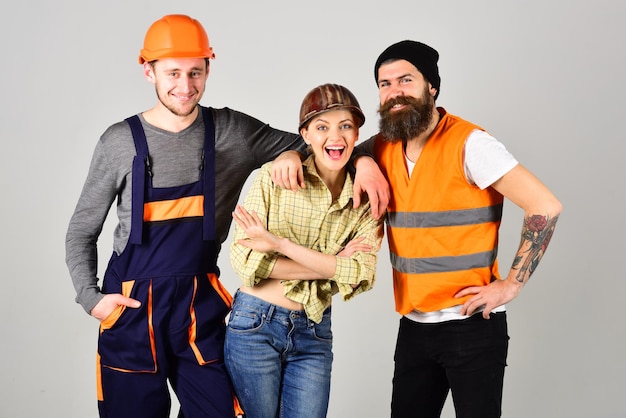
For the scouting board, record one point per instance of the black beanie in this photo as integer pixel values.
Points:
(422, 56)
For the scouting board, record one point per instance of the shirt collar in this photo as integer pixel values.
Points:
(345, 197)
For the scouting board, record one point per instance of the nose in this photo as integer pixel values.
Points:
(391, 92)
(396, 91)
(184, 83)
(334, 132)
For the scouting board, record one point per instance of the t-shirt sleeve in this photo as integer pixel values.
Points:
(263, 142)
(486, 159)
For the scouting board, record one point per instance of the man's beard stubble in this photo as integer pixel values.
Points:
(407, 123)
(173, 109)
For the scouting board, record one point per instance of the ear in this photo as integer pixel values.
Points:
(148, 72)
(304, 133)
(433, 91)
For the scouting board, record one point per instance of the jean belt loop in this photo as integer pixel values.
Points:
(270, 313)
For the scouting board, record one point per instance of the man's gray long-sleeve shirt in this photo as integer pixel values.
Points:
(242, 144)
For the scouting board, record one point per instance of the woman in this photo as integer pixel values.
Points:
(293, 252)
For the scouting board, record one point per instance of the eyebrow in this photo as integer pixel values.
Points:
(397, 78)
(180, 69)
(338, 123)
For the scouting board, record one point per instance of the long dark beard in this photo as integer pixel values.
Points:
(407, 123)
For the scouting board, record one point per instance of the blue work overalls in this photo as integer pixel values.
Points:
(170, 266)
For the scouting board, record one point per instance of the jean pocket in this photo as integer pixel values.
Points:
(126, 340)
(244, 319)
(323, 330)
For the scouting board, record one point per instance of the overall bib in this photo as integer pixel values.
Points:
(170, 266)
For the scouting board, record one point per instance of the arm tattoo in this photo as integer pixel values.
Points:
(536, 234)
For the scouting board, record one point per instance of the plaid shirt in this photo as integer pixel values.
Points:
(310, 218)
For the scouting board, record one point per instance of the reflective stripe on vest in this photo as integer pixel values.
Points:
(444, 218)
(437, 219)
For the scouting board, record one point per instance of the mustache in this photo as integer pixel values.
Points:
(400, 100)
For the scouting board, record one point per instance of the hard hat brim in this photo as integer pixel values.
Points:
(149, 56)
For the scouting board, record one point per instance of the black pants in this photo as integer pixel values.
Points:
(466, 356)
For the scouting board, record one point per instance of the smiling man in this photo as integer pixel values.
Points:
(448, 180)
(176, 171)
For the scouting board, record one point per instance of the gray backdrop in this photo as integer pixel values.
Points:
(546, 77)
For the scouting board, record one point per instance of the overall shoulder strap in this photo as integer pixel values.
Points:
(141, 166)
(208, 168)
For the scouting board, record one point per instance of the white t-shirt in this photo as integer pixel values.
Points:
(486, 160)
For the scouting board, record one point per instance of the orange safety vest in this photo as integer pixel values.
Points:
(442, 231)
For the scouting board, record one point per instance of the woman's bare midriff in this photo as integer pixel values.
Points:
(271, 291)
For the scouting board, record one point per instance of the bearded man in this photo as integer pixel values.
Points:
(448, 180)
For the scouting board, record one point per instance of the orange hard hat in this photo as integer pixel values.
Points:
(175, 36)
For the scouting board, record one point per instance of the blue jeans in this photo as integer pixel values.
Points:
(279, 360)
(466, 356)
